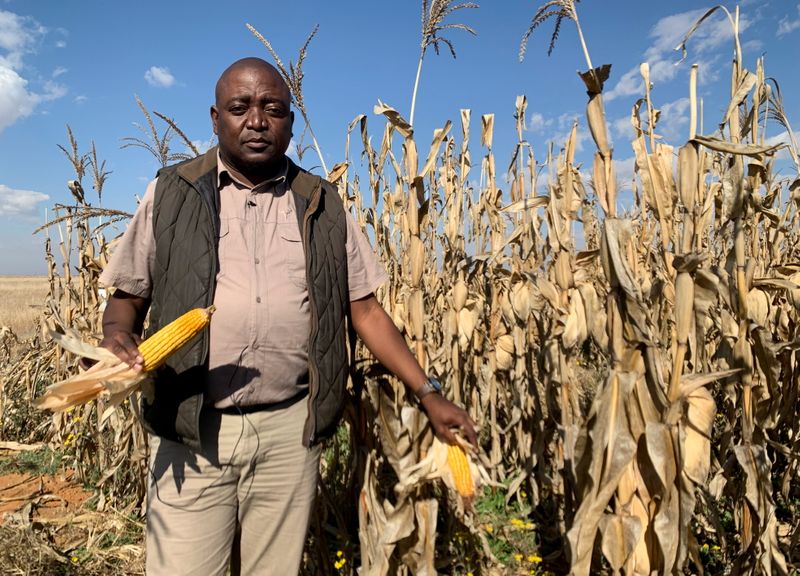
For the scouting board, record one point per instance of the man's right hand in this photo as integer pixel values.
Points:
(125, 346)
(122, 323)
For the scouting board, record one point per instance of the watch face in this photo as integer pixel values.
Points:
(430, 386)
(435, 384)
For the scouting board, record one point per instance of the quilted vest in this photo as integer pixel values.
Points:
(186, 232)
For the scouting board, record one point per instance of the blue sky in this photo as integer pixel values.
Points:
(81, 63)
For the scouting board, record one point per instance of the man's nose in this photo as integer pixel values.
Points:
(256, 119)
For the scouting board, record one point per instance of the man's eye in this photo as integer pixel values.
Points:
(238, 110)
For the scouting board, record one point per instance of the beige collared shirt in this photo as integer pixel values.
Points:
(259, 334)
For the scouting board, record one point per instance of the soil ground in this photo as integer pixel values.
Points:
(50, 497)
(48, 527)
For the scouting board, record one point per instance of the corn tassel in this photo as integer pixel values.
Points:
(156, 349)
(459, 467)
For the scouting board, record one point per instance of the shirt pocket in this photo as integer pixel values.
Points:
(223, 243)
(294, 258)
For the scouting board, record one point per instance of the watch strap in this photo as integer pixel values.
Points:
(430, 386)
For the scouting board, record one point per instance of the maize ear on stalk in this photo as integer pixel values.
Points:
(110, 375)
(454, 465)
(459, 467)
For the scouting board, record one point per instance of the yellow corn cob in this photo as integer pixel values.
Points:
(158, 347)
(459, 466)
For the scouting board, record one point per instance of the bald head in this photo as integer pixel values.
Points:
(252, 119)
(249, 64)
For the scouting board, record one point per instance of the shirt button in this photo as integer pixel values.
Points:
(255, 346)
(258, 261)
(258, 299)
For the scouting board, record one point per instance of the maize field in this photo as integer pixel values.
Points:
(635, 375)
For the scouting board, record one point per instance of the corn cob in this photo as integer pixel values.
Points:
(459, 467)
(158, 347)
(111, 376)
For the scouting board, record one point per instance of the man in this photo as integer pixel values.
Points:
(237, 416)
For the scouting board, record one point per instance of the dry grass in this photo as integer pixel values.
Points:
(21, 302)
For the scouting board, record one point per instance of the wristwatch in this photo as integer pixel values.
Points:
(430, 386)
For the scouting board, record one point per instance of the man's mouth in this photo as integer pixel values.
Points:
(257, 144)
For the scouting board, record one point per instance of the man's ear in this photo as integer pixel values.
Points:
(214, 117)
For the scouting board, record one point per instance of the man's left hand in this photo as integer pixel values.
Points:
(445, 415)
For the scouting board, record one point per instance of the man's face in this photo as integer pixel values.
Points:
(252, 120)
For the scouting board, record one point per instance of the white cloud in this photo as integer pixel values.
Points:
(668, 33)
(782, 138)
(672, 123)
(752, 46)
(59, 71)
(622, 128)
(203, 145)
(23, 203)
(537, 122)
(564, 125)
(62, 42)
(557, 130)
(623, 168)
(674, 118)
(670, 30)
(52, 91)
(159, 77)
(630, 83)
(19, 37)
(80, 99)
(714, 33)
(15, 100)
(787, 26)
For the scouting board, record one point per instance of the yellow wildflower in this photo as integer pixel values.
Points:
(533, 558)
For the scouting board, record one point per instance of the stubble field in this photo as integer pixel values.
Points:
(21, 302)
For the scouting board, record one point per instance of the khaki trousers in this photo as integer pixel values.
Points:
(253, 474)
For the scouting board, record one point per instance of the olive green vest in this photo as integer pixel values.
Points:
(186, 232)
